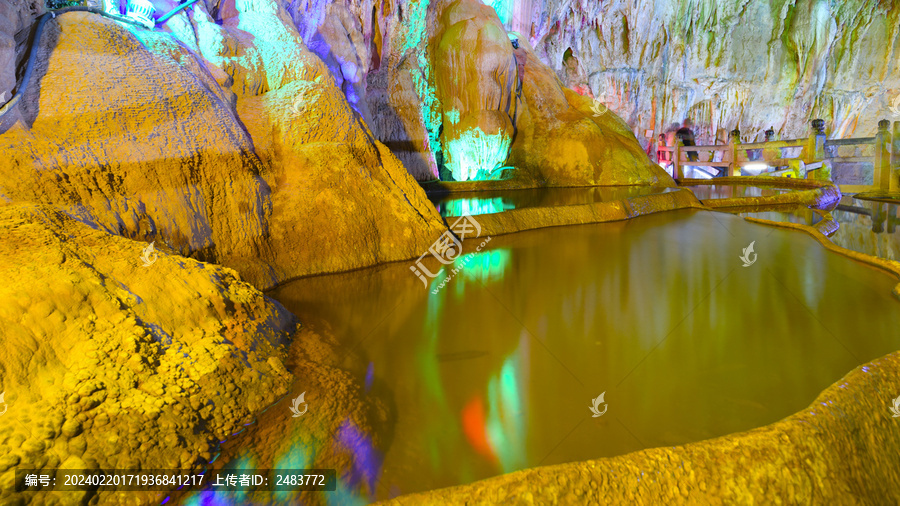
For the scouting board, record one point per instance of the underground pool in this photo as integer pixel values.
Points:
(498, 370)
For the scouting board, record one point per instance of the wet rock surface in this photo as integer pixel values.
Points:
(110, 364)
(344, 426)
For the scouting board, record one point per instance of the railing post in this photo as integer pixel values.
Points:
(769, 154)
(878, 217)
(815, 150)
(734, 169)
(881, 177)
(895, 159)
(677, 169)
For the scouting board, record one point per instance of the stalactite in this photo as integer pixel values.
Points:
(779, 57)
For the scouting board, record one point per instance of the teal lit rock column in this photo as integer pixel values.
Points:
(475, 76)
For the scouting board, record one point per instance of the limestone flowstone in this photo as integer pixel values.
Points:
(440, 88)
(751, 64)
(166, 353)
(243, 153)
(475, 75)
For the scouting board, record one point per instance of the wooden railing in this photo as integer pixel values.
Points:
(813, 157)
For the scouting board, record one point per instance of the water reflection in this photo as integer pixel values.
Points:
(868, 227)
(496, 371)
(705, 192)
(474, 206)
(496, 201)
(366, 458)
(480, 268)
(505, 424)
(800, 215)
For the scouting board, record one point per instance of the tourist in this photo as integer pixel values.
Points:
(686, 135)
(662, 156)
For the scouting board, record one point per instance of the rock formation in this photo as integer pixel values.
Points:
(16, 18)
(440, 86)
(475, 77)
(275, 139)
(118, 132)
(110, 364)
(127, 137)
(564, 139)
(345, 427)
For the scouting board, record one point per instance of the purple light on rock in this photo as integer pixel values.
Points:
(370, 376)
(367, 459)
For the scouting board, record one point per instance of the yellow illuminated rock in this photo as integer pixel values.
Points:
(131, 133)
(112, 364)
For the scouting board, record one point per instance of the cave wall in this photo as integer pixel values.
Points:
(750, 64)
(439, 90)
(316, 143)
(220, 137)
(376, 54)
(16, 19)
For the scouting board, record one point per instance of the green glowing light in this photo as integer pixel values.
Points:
(476, 155)
(480, 268)
(474, 207)
(416, 43)
(299, 454)
(452, 116)
(486, 266)
(505, 430)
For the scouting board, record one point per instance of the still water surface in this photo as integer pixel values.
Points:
(800, 215)
(865, 226)
(705, 192)
(497, 201)
(869, 227)
(496, 372)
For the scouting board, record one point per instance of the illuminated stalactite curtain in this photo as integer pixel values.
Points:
(763, 64)
(475, 77)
